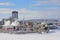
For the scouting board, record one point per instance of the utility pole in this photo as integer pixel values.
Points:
(23, 22)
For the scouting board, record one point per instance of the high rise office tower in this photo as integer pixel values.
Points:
(15, 14)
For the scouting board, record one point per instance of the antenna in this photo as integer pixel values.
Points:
(23, 23)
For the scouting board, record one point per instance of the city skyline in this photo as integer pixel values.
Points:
(31, 9)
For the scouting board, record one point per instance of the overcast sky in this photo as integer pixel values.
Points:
(31, 9)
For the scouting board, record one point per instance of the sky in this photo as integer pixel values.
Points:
(31, 9)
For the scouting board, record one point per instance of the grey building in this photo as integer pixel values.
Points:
(15, 14)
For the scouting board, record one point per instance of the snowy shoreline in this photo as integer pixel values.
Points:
(53, 35)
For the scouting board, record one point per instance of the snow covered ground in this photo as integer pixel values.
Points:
(52, 35)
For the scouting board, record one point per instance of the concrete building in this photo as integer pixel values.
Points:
(15, 14)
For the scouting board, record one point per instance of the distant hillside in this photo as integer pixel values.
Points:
(41, 20)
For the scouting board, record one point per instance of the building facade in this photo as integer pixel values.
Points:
(15, 14)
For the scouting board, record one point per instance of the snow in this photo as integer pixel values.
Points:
(52, 35)
(15, 23)
(7, 23)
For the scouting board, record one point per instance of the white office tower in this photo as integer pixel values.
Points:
(6, 24)
(15, 23)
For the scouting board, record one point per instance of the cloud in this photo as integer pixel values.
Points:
(41, 2)
(5, 10)
(55, 1)
(47, 13)
(33, 14)
(6, 4)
